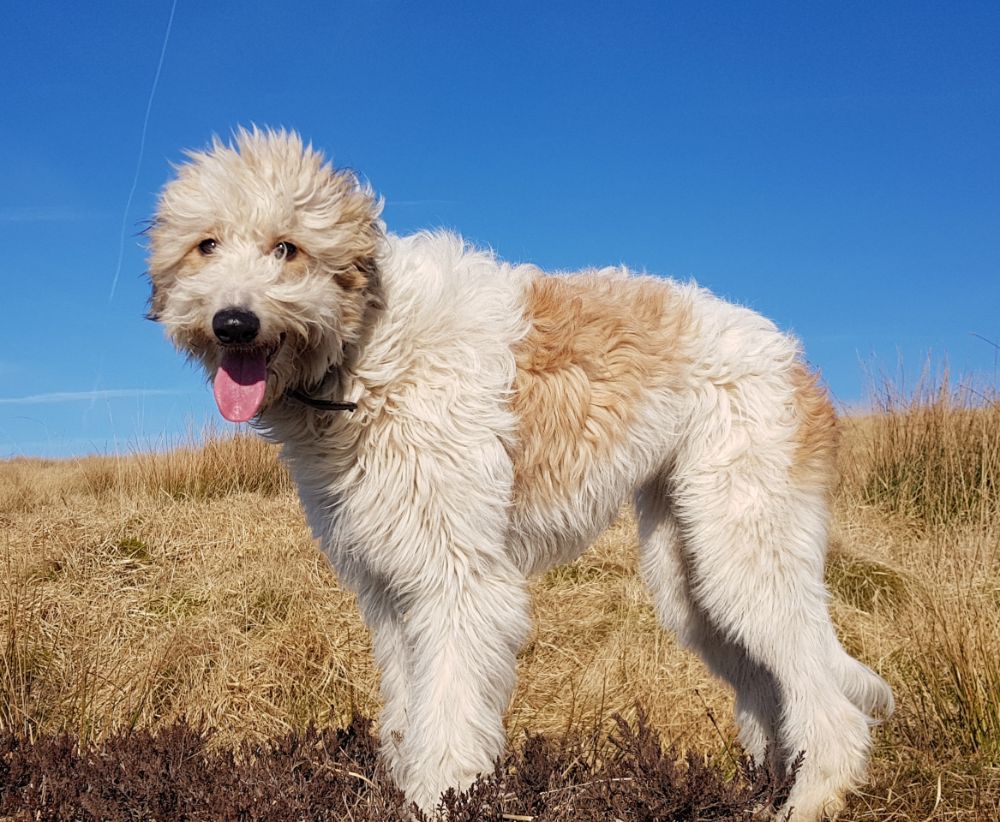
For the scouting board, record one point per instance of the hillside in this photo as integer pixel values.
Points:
(142, 589)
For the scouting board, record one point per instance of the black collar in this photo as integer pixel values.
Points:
(320, 405)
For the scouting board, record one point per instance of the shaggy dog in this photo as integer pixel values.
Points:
(497, 420)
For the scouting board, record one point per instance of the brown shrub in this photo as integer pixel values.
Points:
(328, 774)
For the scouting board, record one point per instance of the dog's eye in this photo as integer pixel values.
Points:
(207, 247)
(285, 250)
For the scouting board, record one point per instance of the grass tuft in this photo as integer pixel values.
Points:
(134, 549)
(933, 455)
(222, 466)
(953, 684)
(865, 584)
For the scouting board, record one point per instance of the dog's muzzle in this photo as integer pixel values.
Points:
(240, 381)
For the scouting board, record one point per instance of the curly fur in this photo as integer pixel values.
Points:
(503, 418)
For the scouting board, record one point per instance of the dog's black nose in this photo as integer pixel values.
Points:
(235, 326)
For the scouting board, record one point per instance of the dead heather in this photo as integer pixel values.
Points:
(144, 591)
(175, 773)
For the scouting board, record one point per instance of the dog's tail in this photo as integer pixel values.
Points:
(865, 688)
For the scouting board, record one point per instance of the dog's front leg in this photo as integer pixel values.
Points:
(382, 614)
(464, 628)
(428, 516)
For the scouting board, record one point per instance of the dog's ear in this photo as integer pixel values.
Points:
(155, 302)
(372, 274)
(360, 235)
(361, 275)
(154, 305)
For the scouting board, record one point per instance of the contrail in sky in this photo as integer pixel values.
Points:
(90, 396)
(142, 149)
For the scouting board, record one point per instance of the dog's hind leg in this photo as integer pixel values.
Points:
(755, 544)
(665, 572)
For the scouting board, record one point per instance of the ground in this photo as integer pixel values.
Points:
(138, 590)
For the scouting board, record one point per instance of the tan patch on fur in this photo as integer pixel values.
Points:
(298, 265)
(193, 261)
(815, 459)
(596, 346)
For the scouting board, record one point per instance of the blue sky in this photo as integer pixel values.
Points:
(835, 166)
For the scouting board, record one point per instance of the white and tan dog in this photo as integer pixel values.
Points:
(503, 417)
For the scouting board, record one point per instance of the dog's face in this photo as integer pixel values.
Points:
(262, 261)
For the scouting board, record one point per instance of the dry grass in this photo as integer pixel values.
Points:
(933, 456)
(136, 590)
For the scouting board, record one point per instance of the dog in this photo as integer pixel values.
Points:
(455, 423)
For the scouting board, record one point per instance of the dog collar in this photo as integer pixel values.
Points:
(320, 405)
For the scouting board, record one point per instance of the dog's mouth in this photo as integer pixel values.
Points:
(241, 380)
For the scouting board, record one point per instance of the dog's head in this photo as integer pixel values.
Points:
(263, 263)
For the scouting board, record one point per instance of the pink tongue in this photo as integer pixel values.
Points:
(240, 383)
